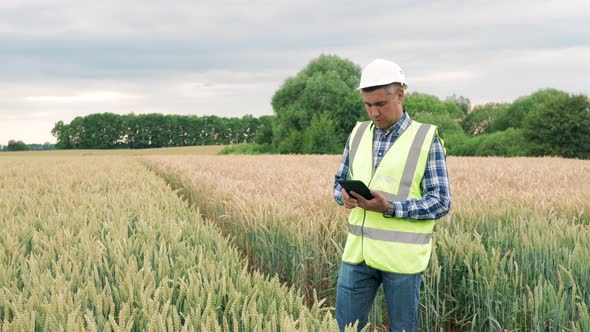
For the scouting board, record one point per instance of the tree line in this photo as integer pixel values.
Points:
(115, 131)
(14, 145)
(316, 110)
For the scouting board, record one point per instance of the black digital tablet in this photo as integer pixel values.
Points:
(357, 186)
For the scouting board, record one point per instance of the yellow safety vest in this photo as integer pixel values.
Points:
(390, 244)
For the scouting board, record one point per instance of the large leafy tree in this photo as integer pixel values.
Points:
(63, 133)
(513, 116)
(560, 127)
(102, 130)
(324, 90)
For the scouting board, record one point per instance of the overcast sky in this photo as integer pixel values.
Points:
(65, 58)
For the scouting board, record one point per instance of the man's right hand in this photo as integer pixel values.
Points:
(349, 201)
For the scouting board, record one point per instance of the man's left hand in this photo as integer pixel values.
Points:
(377, 204)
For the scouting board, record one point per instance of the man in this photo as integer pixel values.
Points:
(389, 242)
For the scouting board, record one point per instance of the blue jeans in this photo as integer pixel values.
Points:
(357, 287)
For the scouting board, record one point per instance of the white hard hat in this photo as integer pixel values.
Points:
(382, 72)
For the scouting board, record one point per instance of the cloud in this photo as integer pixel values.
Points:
(223, 93)
(64, 58)
(86, 97)
(443, 77)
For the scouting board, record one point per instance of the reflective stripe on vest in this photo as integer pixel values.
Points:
(356, 141)
(391, 236)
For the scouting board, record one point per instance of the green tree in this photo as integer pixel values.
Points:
(213, 130)
(463, 103)
(560, 127)
(247, 128)
(507, 143)
(232, 131)
(460, 144)
(157, 131)
(264, 131)
(319, 137)
(63, 134)
(481, 117)
(445, 123)
(513, 116)
(325, 87)
(194, 127)
(102, 131)
(76, 132)
(137, 137)
(176, 130)
(108, 131)
(14, 145)
(293, 142)
(417, 102)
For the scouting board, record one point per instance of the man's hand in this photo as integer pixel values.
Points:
(349, 201)
(377, 204)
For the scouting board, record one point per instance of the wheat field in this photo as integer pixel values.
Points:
(512, 254)
(253, 243)
(103, 244)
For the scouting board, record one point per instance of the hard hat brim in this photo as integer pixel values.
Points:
(404, 85)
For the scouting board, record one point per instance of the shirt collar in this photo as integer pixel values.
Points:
(402, 124)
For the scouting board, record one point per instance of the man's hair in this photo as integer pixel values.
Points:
(391, 88)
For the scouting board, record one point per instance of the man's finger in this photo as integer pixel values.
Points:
(375, 193)
(345, 194)
(358, 196)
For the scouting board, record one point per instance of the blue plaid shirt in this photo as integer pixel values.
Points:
(436, 200)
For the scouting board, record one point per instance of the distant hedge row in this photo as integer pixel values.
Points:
(111, 131)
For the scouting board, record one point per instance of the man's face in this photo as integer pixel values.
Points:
(383, 108)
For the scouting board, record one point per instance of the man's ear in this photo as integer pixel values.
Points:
(401, 94)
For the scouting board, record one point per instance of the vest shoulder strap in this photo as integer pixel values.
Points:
(356, 140)
(414, 157)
